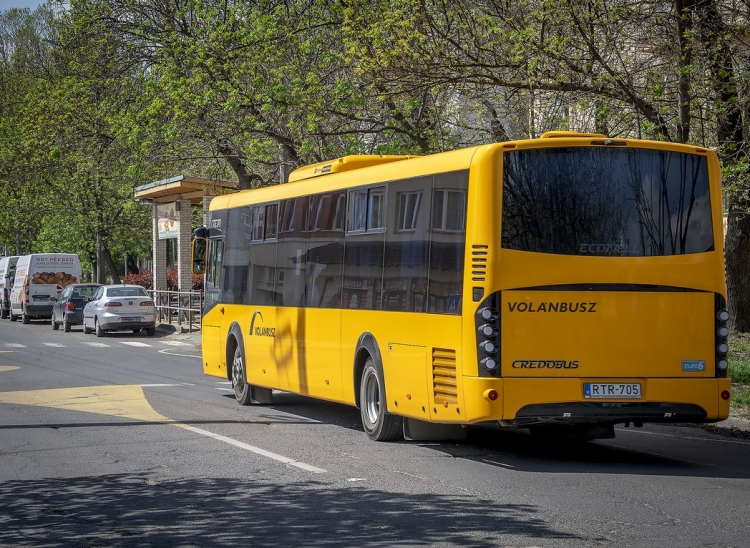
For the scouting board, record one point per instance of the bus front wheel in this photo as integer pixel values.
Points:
(242, 390)
(378, 424)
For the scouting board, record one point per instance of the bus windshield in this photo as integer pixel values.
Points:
(597, 201)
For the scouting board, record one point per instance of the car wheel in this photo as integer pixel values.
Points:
(86, 330)
(3, 314)
(13, 317)
(25, 318)
(55, 325)
(150, 331)
(98, 328)
(239, 377)
(66, 325)
(378, 424)
(137, 330)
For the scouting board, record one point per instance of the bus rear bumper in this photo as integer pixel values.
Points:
(530, 401)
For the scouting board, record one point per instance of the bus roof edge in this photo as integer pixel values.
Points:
(346, 163)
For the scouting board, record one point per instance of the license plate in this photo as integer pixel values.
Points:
(131, 319)
(612, 390)
(40, 297)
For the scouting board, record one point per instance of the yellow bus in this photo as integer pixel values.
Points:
(572, 281)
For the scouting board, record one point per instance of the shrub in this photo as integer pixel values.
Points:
(144, 278)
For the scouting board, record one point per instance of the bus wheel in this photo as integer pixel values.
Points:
(378, 424)
(242, 390)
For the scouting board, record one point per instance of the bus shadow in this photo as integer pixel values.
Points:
(628, 453)
(141, 510)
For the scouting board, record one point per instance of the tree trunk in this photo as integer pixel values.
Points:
(737, 253)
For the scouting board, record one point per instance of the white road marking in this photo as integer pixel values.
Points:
(171, 353)
(98, 344)
(256, 450)
(135, 343)
(499, 463)
(15, 345)
(156, 385)
(174, 343)
(54, 345)
(229, 389)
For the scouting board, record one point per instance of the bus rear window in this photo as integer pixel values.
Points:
(606, 202)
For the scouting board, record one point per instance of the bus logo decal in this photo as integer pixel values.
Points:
(551, 307)
(693, 365)
(261, 331)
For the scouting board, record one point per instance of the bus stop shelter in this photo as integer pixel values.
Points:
(172, 201)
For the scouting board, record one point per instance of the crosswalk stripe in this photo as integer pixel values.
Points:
(135, 343)
(173, 343)
(54, 345)
(98, 344)
(15, 345)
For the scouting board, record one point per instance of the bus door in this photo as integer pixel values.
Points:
(211, 327)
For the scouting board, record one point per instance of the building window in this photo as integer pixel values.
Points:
(259, 221)
(408, 210)
(449, 210)
(272, 221)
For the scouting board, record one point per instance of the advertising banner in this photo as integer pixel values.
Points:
(169, 226)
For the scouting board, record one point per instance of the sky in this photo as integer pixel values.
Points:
(31, 4)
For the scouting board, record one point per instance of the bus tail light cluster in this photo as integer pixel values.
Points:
(721, 337)
(488, 336)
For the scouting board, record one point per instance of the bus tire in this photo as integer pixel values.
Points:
(378, 424)
(242, 390)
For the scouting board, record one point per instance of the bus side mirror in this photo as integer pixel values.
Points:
(199, 256)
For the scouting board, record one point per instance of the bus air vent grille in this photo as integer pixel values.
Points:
(479, 255)
(444, 375)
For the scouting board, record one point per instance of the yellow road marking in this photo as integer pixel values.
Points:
(8, 367)
(120, 401)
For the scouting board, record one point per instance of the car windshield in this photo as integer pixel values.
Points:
(84, 292)
(126, 292)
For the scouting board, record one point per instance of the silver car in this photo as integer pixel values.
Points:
(119, 308)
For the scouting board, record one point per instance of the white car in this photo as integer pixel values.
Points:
(119, 308)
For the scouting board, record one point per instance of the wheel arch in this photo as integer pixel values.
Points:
(367, 347)
(234, 339)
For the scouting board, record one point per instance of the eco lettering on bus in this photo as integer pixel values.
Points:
(551, 307)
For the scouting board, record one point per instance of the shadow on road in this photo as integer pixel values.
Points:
(134, 510)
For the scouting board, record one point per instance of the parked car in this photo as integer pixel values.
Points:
(68, 308)
(119, 308)
(7, 277)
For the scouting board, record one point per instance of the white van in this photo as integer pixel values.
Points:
(7, 275)
(39, 277)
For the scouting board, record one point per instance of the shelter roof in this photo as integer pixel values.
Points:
(183, 187)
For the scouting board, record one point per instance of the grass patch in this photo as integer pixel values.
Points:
(739, 373)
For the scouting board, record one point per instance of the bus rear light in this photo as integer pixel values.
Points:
(723, 315)
(487, 330)
(722, 348)
(725, 395)
(486, 314)
(489, 364)
(488, 347)
(722, 365)
(490, 394)
(723, 331)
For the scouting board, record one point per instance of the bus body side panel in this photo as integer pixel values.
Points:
(421, 354)
(295, 350)
(605, 334)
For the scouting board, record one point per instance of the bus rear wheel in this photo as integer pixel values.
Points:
(242, 392)
(377, 423)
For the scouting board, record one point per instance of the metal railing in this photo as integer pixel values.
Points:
(182, 307)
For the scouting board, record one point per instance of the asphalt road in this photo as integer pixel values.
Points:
(121, 441)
